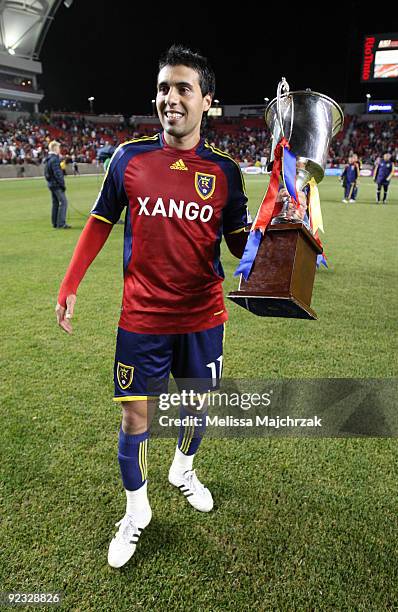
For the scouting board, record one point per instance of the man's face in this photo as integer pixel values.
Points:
(387, 156)
(179, 100)
(350, 160)
(56, 149)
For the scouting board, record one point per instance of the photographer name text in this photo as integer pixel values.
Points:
(232, 421)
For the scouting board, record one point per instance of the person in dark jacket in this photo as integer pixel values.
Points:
(56, 184)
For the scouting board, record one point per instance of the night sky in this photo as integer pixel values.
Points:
(110, 50)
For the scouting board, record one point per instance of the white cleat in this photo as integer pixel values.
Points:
(352, 201)
(345, 201)
(123, 545)
(189, 484)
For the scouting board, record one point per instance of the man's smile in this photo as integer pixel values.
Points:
(173, 115)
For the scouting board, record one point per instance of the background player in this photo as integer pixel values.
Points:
(383, 172)
(349, 179)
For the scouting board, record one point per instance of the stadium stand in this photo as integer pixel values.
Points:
(247, 140)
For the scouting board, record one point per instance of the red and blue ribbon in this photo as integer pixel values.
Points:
(285, 164)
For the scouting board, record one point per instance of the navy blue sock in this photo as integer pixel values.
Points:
(132, 458)
(190, 436)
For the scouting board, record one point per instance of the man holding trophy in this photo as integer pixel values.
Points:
(181, 196)
(173, 312)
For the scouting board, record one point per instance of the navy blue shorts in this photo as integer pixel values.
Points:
(143, 362)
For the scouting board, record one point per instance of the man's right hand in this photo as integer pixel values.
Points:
(64, 315)
(293, 208)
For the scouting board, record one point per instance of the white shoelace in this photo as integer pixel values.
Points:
(194, 482)
(128, 529)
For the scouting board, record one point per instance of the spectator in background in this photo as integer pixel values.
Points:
(56, 184)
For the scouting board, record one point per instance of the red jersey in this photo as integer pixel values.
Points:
(179, 204)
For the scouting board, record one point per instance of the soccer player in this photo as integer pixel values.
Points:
(383, 172)
(181, 196)
(350, 178)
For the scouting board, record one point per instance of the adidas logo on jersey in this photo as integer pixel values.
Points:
(176, 208)
(178, 165)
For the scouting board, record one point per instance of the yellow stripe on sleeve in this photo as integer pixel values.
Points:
(101, 218)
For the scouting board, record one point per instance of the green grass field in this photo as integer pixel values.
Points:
(299, 524)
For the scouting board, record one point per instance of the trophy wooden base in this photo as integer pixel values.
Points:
(282, 277)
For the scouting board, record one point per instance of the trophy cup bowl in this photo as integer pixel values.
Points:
(282, 276)
(312, 120)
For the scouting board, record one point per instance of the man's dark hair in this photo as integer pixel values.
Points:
(178, 55)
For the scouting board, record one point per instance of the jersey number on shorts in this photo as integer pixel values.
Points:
(213, 368)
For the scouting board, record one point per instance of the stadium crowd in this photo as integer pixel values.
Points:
(27, 140)
(247, 141)
(371, 139)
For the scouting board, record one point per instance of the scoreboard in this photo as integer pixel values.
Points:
(380, 58)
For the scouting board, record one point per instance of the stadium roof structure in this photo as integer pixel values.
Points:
(24, 25)
(23, 28)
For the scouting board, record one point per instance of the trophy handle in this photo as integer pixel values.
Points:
(283, 89)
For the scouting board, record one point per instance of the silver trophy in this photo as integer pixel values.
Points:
(308, 120)
(282, 275)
